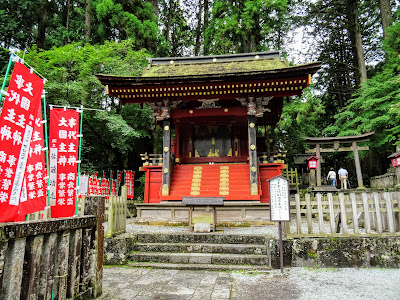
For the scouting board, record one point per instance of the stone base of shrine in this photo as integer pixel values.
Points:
(233, 212)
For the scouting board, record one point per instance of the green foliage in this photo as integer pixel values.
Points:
(110, 136)
(376, 106)
(300, 117)
(246, 26)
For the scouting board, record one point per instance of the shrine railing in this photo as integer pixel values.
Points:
(345, 214)
(152, 159)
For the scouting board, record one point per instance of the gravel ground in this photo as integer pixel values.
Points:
(301, 283)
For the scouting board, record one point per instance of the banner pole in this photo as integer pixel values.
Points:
(46, 139)
(5, 78)
(79, 158)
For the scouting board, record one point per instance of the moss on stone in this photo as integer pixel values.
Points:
(166, 70)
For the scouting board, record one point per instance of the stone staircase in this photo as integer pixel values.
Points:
(202, 251)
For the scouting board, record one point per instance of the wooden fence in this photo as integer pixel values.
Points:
(291, 175)
(116, 211)
(345, 214)
(53, 259)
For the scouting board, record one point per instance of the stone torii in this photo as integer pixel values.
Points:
(336, 141)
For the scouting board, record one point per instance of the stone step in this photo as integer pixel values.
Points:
(209, 267)
(208, 238)
(199, 258)
(202, 248)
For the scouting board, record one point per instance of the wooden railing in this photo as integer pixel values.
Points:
(116, 210)
(115, 213)
(53, 259)
(346, 214)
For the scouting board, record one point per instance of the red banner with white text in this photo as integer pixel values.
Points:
(129, 179)
(16, 128)
(33, 197)
(64, 140)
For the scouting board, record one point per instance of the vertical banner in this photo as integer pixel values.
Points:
(16, 128)
(108, 187)
(35, 188)
(64, 131)
(128, 181)
(119, 179)
(91, 186)
(114, 187)
(103, 187)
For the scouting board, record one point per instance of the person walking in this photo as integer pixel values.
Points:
(343, 174)
(331, 177)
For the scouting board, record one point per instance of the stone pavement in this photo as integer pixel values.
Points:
(144, 284)
(124, 283)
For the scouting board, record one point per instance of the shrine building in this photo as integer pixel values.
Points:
(212, 110)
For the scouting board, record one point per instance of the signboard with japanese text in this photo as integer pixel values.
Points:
(35, 184)
(64, 138)
(279, 199)
(16, 128)
(83, 185)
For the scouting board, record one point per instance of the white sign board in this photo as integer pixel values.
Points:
(279, 199)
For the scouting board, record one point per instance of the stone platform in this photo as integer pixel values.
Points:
(252, 212)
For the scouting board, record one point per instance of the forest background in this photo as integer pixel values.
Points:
(356, 91)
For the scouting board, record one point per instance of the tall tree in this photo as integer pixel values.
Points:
(354, 29)
(386, 14)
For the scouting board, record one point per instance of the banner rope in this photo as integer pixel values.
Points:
(79, 157)
(47, 151)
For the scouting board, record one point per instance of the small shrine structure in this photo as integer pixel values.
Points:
(210, 109)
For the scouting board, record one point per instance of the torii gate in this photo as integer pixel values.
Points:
(336, 141)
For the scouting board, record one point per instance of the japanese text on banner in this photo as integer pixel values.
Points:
(16, 128)
(64, 139)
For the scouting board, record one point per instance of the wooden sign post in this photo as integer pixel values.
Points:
(279, 206)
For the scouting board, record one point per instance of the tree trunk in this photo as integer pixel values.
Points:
(198, 30)
(386, 14)
(356, 40)
(155, 6)
(205, 26)
(68, 10)
(41, 31)
(88, 19)
(169, 20)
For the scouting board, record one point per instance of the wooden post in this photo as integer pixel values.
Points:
(331, 213)
(358, 166)
(253, 155)
(367, 222)
(318, 155)
(166, 174)
(355, 213)
(377, 213)
(320, 213)
(298, 213)
(309, 214)
(343, 218)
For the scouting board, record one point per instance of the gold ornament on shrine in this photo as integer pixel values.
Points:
(253, 147)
